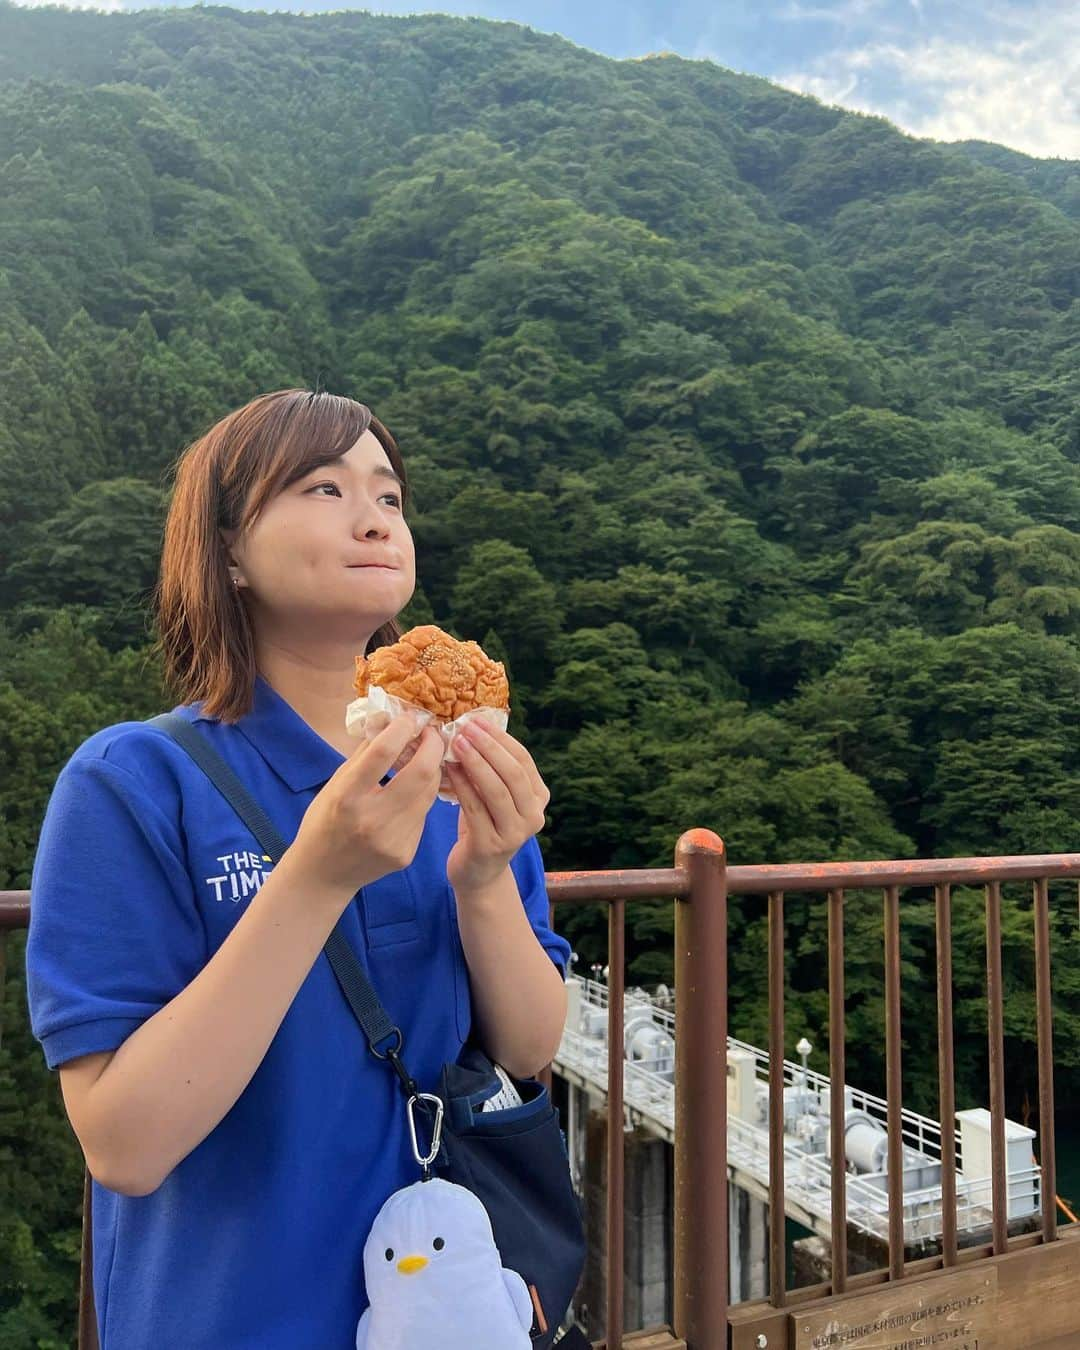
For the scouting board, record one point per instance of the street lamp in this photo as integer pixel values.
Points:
(803, 1051)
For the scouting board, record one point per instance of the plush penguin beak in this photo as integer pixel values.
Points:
(409, 1265)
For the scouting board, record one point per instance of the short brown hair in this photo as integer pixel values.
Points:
(223, 480)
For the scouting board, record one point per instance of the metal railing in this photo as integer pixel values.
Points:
(832, 881)
(700, 1246)
(699, 884)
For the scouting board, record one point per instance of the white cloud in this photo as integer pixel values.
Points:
(1020, 90)
(836, 11)
(105, 6)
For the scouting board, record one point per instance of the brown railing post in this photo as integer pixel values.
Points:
(995, 1017)
(777, 1215)
(837, 1083)
(946, 1071)
(894, 1081)
(88, 1333)
(616, 1155)
(1045, 1016)
(701, 1196)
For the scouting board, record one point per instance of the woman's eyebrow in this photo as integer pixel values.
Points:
(383, 472)
(379, 471)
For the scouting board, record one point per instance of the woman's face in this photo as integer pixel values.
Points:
(330, 558)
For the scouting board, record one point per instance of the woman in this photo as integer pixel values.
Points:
(240, 1134)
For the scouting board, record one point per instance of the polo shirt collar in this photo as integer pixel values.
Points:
(298, 755)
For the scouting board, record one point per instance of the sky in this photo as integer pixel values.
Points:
(995, 70)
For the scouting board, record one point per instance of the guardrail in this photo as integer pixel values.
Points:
(699, 885)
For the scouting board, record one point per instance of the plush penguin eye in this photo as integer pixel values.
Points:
(389, 1253)
(438, 1244)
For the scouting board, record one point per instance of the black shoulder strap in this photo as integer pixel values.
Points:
(355, 985)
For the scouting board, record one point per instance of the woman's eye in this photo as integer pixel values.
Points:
(394, 498)
(319, 486)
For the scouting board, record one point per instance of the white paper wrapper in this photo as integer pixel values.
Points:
(368, 716)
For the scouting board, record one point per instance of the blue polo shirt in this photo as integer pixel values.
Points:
(255, 1239)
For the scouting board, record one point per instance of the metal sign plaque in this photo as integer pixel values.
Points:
(948, 1312)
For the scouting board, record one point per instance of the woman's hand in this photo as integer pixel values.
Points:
(502, 800)
(356, 831)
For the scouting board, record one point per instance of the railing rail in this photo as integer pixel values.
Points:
(699, 885)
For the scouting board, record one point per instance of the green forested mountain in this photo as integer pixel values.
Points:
(746, 430)
(1056, 179)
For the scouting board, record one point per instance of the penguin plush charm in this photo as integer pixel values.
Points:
(435, 1280)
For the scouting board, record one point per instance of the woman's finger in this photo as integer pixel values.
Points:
(494, 791)
(371, 760)
(415, 779)
(470, 800)
(518, 752)
(483, 747)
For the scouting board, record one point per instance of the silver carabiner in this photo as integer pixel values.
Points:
(436, 1133)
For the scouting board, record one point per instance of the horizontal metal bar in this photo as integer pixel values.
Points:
(646, 883)
(564, 888)
(824, 877)
(14, 910)
(661, 883)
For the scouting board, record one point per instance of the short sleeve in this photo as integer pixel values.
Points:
(527, 865)
(115, 933)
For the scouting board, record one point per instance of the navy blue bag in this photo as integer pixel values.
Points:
(513, 1159)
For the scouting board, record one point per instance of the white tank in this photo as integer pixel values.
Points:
(651, 1045)
(866, 1144)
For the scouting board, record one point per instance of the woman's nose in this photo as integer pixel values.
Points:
(371, 525)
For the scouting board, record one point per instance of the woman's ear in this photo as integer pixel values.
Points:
(236, 571)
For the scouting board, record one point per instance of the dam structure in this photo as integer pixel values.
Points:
(649, 1114)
